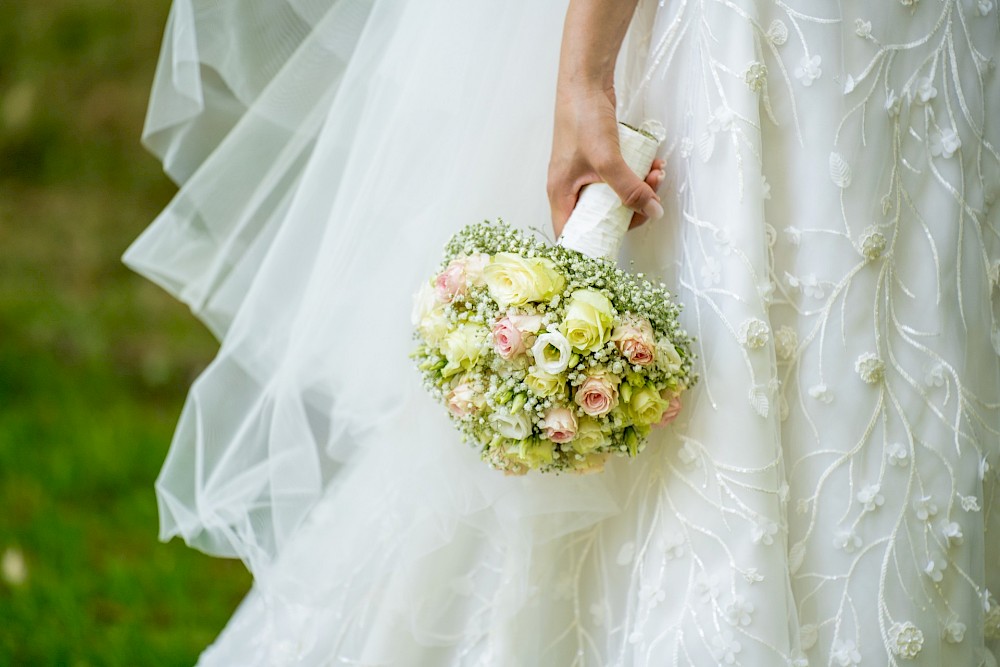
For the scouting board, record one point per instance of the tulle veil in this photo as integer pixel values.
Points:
(325, 151)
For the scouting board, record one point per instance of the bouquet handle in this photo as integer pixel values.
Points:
(598, 224)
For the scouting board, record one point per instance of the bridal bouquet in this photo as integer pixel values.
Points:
(549, 358)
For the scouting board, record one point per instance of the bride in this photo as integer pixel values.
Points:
(825, 209)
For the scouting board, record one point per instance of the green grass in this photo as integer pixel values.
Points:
(94, 361)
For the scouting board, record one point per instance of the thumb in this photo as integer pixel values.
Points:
(634, 192)
(561, 206)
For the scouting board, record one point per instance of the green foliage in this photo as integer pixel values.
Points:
(94, 361)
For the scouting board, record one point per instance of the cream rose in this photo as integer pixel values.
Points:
(428, 315)
(559, 425)
(589, 321)
(634, 339)
(597, 396)
(589, 436)
(544, 384)
(451, 283)
(591, 463)
(645, 406)
(435, 326)
(673, 407)
(515, 427)
(551, 352)
(535, 452)
(462, 348)
(515, 281)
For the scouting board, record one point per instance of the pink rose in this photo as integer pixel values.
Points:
(450, 283)
(597, 395)
(507, 339)
(461, 399)
(634, 339)
(673, 409)
(559, 425)
(509, 334)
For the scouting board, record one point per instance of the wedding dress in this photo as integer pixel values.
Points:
(828, 494)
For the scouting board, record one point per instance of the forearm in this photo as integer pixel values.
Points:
(592, 37)
(585, 145)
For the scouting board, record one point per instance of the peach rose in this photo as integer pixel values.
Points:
(559, 425)
(634, 339)
(461, 399)
(673, 408)
(450, 283)
(598, 395)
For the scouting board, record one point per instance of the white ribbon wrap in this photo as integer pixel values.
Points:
(599, 222)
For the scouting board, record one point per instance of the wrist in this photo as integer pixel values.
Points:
(589, 74)
(584, 92)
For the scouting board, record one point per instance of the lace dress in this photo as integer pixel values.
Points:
(828, 494)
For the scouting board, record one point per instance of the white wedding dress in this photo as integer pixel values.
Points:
(828, 495)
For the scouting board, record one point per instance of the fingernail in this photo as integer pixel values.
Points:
(653, 210)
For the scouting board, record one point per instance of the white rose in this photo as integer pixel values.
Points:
(526, 323)
(515, 427)
(667, 356)
(474, 265)
(423, 303)
(551, 352)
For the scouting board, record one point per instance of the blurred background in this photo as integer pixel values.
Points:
(94, 361)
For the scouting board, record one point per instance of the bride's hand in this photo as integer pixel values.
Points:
(585, 150)
(585, 146)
